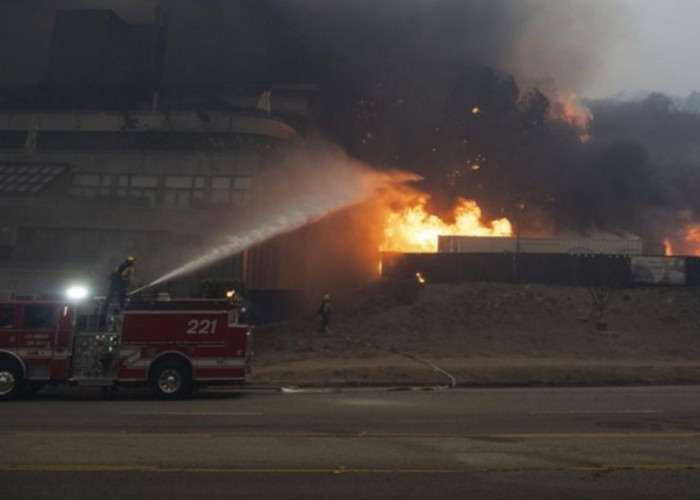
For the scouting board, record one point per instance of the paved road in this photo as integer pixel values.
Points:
(505, 443)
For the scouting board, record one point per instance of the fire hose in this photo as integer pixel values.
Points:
(437, 369)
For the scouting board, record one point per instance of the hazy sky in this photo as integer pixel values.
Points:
(658, 50)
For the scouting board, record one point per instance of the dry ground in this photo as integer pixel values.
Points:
(403, 333)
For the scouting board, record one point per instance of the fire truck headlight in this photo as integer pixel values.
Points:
(76, 292)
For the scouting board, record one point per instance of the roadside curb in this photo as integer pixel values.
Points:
(320, 387)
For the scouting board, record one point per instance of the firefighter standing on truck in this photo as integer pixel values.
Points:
(119, 281)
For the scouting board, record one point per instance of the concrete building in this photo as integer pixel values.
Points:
(80, 190)
(100, 162)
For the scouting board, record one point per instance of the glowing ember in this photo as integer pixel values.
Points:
(414, 230)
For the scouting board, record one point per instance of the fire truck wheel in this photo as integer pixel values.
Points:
(11, 380)
(171, 380)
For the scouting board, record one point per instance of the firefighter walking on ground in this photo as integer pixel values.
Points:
(324, 311)
(119, 281)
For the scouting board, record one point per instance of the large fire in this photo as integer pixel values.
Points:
(413, 229)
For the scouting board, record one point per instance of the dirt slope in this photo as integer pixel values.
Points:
(485, 333)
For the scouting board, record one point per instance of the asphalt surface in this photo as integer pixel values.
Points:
(620, 443)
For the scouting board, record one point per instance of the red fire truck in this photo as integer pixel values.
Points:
(171, 345)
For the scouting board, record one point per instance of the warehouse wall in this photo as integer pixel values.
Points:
(560, 269)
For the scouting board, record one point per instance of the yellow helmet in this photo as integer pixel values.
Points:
(131, 259)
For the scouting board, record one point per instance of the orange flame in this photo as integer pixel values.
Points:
(692, 238)
(412, 229)
(573, 112)
(688, 244)
(668, 248)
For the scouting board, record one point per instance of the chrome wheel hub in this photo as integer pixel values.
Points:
(170, 381)
(7, 382)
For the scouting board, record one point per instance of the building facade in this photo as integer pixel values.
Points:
(80, 190)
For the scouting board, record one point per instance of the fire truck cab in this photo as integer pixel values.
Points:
(171, 345)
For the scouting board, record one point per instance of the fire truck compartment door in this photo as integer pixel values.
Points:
(177, 326)
(8, 326)
(63, 333)
(38, 327)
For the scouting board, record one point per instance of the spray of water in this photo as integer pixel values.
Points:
(294, 216)
(300, 194)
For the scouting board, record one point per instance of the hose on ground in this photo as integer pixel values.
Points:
(437, 369)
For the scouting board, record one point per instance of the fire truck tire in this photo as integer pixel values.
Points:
(171, 380)
(11, 380)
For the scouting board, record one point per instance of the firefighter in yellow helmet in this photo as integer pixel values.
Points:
(324, 311)
(119, 281)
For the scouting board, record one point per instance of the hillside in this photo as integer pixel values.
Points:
(403, 333)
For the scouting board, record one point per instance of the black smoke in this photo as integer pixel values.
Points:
(352, 43)
(253, 42)
(644, 167)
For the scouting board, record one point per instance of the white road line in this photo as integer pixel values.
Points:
(194, 413)
(594, 412)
